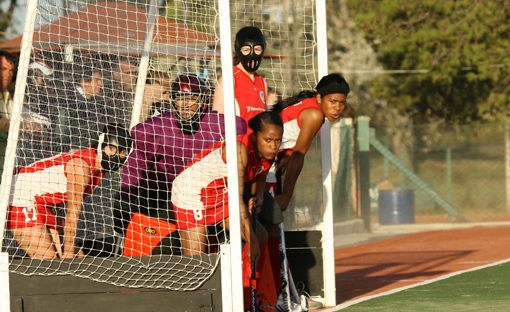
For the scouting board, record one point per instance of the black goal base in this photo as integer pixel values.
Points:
(304, 253)
(59, 293)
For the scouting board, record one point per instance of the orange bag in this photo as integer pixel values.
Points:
(144, 233)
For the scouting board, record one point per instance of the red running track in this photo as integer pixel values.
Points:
(375, 268)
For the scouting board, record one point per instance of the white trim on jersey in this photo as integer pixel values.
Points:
(291, 132)
(27, 185)
(271, 174)
(188, 185)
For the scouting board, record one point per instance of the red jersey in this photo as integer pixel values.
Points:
(200, 193)
(255, 166)
(44, 183)
(291, 124)
(250, 95)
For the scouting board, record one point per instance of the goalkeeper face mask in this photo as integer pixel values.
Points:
(253, 38)
(113, 148)
(189, 96)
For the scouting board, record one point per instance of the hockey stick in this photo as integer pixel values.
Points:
(289, 290)
(59, 219)
(287, 304)
(286, 275)
(299, 300)
(293, 292)
(254, 264)
(118, 242)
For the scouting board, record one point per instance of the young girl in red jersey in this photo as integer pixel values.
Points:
(51, 182)
(303, 116)
(200, 194)
(250, 88)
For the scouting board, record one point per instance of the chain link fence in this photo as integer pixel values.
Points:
(463, 164)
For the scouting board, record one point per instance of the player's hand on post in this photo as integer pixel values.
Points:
(254, 203)
(283, 161)
(251, 205)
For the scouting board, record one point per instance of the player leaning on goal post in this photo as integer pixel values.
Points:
(303, 116)
(200, 194)
(40, 189)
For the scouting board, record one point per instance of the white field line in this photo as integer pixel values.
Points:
(396, 290)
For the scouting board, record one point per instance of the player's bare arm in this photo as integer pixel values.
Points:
(311, 120)
(218, 96)
(258, 187)
(246, 229)
(78, 177)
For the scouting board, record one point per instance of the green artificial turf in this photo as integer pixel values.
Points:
(482, 290)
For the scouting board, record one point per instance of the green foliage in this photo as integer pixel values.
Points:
(195, 14)
(6, 17)
(464, 45)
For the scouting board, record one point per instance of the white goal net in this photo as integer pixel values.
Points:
(91, 64)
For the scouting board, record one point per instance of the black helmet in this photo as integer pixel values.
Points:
(117, 136)
(190, 85)
(250, 36)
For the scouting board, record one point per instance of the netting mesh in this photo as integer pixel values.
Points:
(289, 27)
(85, 64)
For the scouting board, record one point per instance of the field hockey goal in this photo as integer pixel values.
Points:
(84, 64)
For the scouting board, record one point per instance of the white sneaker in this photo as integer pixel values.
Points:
(311, 303)
(294, 308)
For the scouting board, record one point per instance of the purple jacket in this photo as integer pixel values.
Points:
(161, 151)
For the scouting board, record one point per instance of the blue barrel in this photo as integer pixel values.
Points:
(396, 207)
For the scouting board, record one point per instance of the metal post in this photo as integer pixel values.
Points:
(342, 186)
(402, 176)
(69, 54)
(144, 63)
(386, 161)
(411, 145)
(12, 142)
(364, 168)
(236, 296)
(449, 175)
(14, 128)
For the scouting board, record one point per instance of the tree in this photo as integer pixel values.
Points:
(461, 46)
(6, 17)
(351, 55)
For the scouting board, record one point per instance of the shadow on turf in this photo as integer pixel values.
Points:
(368, 272)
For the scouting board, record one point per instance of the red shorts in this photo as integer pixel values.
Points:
(26, 217)
(189, 218)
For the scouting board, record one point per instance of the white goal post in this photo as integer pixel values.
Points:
(234, 298)
(328, 235)
(84, 64)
